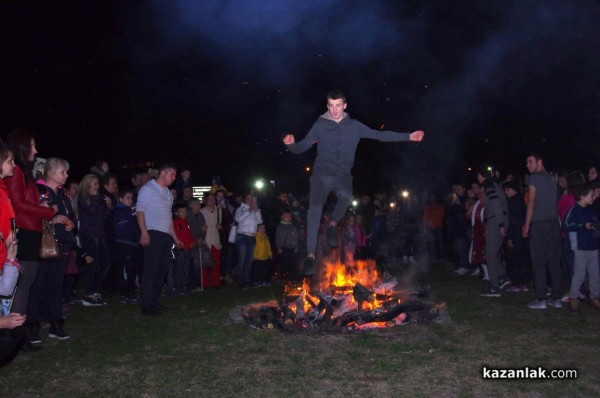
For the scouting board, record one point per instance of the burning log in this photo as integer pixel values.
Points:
(362, 294)
(362, 317)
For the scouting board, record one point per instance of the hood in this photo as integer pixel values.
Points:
(327, 116)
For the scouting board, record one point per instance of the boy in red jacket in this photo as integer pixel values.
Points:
(184, 234)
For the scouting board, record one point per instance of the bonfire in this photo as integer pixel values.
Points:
(345, 297)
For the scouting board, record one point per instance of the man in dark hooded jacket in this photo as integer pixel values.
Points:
(337, 136)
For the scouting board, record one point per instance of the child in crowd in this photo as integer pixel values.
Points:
(349, 240)
(197, 224)
(262, 257)
(127, 236)
(183, 258)
(582, 225)
(518, 268)
(360, 237)
(286, 240)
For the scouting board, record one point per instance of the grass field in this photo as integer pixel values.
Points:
(193, 350)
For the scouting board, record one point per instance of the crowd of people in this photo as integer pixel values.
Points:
(150, 236)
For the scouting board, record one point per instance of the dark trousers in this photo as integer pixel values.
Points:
(45, 295)
(157, 259)
(128, 259)
(288, 265)
(518, 268)
(320, 186)
(545, 249)
(260, 269)
(26, 279)
(95, 272)
(493, 244)
(461, 251)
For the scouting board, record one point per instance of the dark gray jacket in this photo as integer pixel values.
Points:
(337, 143)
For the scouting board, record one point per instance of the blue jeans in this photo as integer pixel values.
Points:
(245, 246)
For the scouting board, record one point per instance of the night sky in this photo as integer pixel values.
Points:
(216, 84)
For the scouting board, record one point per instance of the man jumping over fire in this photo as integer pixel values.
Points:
(337, 137)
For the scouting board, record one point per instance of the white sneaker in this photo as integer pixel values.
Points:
(461, 271)
(477, 272)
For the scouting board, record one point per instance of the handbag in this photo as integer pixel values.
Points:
(232, 234)
(49, 247)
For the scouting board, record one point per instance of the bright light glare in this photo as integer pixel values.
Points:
(405, 194)
(259, 184)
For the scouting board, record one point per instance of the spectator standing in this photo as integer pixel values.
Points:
(459, 228)
(541, 223)
(29, 212)
(127, 237)
(248, 217)
(286, 240)
(582, 223)
(212, 215)
(92, 209)
(434, 221)
(262, 257)
(496, 223)
(197, 224)
(518, 268)
(46, 295)
(153, 212)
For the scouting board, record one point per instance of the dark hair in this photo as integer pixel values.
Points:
(107, 177)
(574, 179)
(336, 94)
(125, 192)
(536, 155)
(581, 190)
(167, 166)
(19, 141)
(5, 153)
(179, 205)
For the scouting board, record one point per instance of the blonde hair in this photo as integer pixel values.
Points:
(83, 192)
(52, 164)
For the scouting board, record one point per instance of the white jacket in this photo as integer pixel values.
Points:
(247, 220)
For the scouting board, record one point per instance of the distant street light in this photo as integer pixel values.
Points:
(405, 194)
(259, 184)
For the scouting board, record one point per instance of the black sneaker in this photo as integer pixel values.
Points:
(33, 333)
(490, 292)
(333, 236)
(503, 282)
(57, 332)
(309, 266)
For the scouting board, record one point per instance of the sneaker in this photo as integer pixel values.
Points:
(477, 272)
(537, 305)
(99, 299)
(309, 266)
(333, 236)
(34, 335)
(503, 282)
(556, 303)
(89, 300)
(565, 298)
(514, 289)
(490, 292)
(461, 271)
(57, 332)
(524, 288)
(127, 300)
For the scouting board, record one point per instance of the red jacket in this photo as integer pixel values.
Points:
(25, 199)
(184, 233)
(6, 213)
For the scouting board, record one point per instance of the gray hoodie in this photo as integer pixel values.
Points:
(337, 143)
